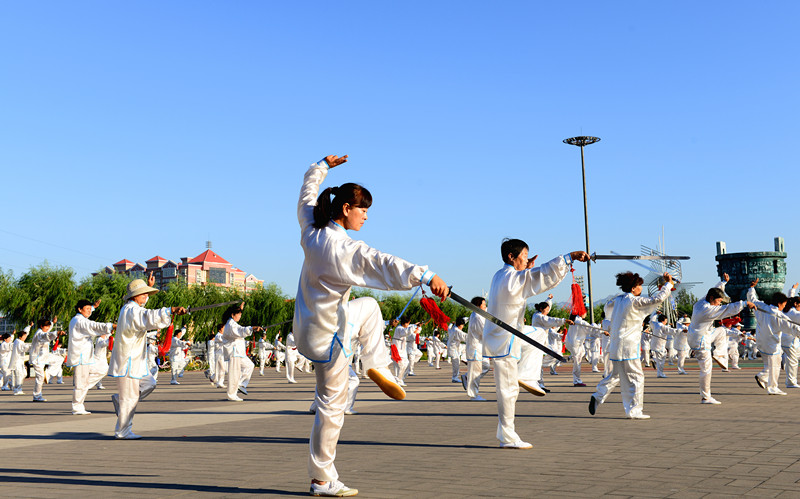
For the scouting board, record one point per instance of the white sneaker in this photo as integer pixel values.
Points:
(173, 382)
(760, 382)
(243, 390)
(710, 400)
(639, 416)
(333, 488)
(350, 412)
(39, 398)
(129, 436)
(532, 388)
(235, 399)
(519, 444)
(793, 386)
(382, 377)
(776, 391)
(478, 399)
(291, 381)
(83, 412)
(19, 393)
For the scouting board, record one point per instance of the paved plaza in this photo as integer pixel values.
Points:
(436, 443)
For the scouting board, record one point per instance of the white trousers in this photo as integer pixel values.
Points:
(476, 370)
(240, 369)
(719, 343)
(352, 391)
(452, 353)
(733, 354)
(291, 363)
(628, 374)
(437, 357)
(413, 355)
(529, 368)
(660, 358)
(131, 391)
(212, 362)
(577, 352)
(177, 365)
(332, 385)
(279, 359)
(17, 376)
(84, 376)
(790, 356)
(5, 373)
(38, 379)
(220, 369)
(262, 359)
(507, 389)
(681, 359)
(704, 362)
(772, 368)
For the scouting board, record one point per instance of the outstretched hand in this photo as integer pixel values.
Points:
(334, 161)
(439, 287)
(726, 277)
(581, 256)
(754, 283)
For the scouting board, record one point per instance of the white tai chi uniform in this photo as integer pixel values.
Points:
(681, 346)
(240, 368)
(399, 339)
(555, 340)
(264, 347)
(100, 359)
(575, 341)
(592, 345)
(17, 363)
(80, 356)
(529, 367)
(702, 336)
(658, 343)
(280, 355)
(435, 346)
(220, 362)
(412, 352)
(129, 360)
(5, 364)
(325, 320)
(211, 358)
(769, 327)
(507, 298)
(55, 365)
(291, 357)
(791, 349)
(39, 355)
(477, 366)
(455, 337)
(549, 324)
(734, 338)
(626, 313)
(177, 358)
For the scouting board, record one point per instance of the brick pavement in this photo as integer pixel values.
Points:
(436, 443)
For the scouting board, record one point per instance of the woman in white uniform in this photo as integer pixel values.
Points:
(325, 319)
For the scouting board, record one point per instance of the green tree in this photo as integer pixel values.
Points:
(43, 292)
(685, 301)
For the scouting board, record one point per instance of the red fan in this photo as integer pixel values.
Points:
(164, 347)
(576, 301)
(439, 317)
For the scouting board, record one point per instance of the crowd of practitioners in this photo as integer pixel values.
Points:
(342, 338)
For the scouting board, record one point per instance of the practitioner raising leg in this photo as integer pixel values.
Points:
(325, 319)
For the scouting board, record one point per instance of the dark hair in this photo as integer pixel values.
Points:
(5, 336)
(43, 323)
(572, 317)
(778, 298)
(628, 280)
(220, 326)
(231, 311)
(793, 301)
(715, 293)
(461, 321)
(541, 306)
(81, 304)
(326, 209)
(513, 247)
(661, 318)
(478, 300)
(404, 319)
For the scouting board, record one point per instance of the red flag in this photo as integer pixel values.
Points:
(164, 347)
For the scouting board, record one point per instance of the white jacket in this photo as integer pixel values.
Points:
(703, 316)
(455, 337)
(82, 333)
(129, 357)
(628, 313)
(333, 264)
(507, 298)
(40, 346)
(233, 337)
(475, 337)
(770, 325)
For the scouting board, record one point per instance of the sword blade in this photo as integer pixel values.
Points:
(778, 316)
(495, 320)
(215, 305)
(596, 257)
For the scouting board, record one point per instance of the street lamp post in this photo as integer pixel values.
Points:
(581, 142)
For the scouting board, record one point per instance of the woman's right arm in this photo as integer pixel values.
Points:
(313, 178)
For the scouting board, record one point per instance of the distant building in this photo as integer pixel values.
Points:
(207, 268)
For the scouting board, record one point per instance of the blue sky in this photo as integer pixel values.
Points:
(134, 129)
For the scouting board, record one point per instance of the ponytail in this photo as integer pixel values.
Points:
(328, 209)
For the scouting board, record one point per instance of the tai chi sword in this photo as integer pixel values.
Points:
(495, 320)
(596, 257)
(215, 305)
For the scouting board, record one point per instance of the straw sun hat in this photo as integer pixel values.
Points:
(138, 287)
